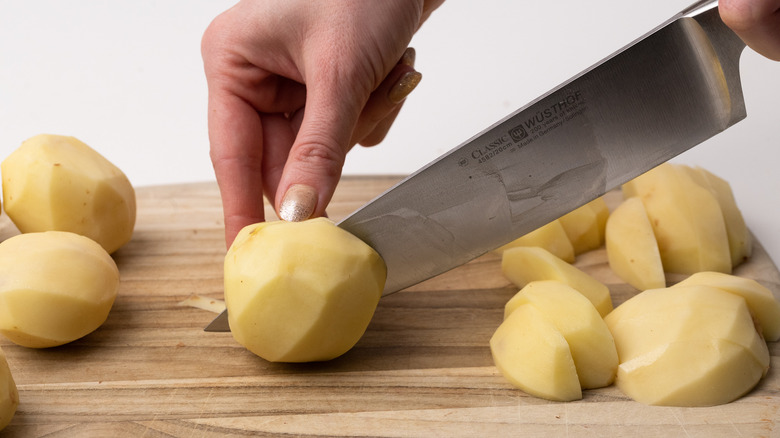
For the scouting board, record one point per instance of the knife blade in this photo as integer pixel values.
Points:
(659, 96)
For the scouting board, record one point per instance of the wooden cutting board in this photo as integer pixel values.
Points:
(423, 368)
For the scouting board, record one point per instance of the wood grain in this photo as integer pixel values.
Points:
(423, 368)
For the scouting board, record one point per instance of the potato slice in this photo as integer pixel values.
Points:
(532, 354)
(687, 346)
(740, 239)
(760, 300)
(687, 220)
(301, 291)
(56, 287)
(590, 341)
(551, 236)
(632, 251)
(58, 183)
(582, 228)
(9, 395)
(523, 265)
(599, 206)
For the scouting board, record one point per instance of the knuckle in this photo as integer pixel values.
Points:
(321, 156)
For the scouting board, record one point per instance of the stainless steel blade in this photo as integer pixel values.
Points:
(219, 324)
(663, 94)
(659, 96)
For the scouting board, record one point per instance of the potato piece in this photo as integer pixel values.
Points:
(301, 291)
(590, 341)
(687, 220)
(533, 355)
(551, 236)
(760, 300)
(582, 228)
(599, 206)
(58, 183)
(9, 396)
(632, 251)
(523, 265)
(57, 287)
(740, 239)
(687, 346)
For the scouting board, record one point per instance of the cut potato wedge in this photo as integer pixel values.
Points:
(590, 341)
(599, 206)
(532, 354)
(632, 251)
(551, 237)
(687, 346)
(523, 265)
(687, 220)
(740, 239)
(582, 228)
(760, 300)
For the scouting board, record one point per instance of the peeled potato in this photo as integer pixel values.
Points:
(739, 237)
(760, 300)
(523, 265)
(687, 220)
(599, 206)
(9, 396)
(56, 287)
(532, 354)
(301, 291)
(590, 341)
(551, 236)
(583, 227)
(632, 251)
(687, 346)
(58, 183)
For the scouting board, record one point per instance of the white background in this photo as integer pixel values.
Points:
(125, 76)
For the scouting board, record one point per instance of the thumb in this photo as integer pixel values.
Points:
(315, 161)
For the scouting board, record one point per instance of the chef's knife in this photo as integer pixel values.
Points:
(659, 96)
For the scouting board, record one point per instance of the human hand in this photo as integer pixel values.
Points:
(293, 85)
(757, 22)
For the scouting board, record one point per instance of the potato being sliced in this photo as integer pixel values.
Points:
(632, 251)
(300, 291)
(532, 354)
(687, 346)
(523, 265)
(551, 236)
(760, 300)
(687, 220)
(590, 341)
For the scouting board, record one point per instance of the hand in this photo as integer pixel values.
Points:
(293, 85)
(757, 22)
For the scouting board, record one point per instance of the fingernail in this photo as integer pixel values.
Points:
(298, 203)
(404, 86)
(408, 57)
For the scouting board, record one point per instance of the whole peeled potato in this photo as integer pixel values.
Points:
(58, 183)
(301, 291)
(55, 287)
